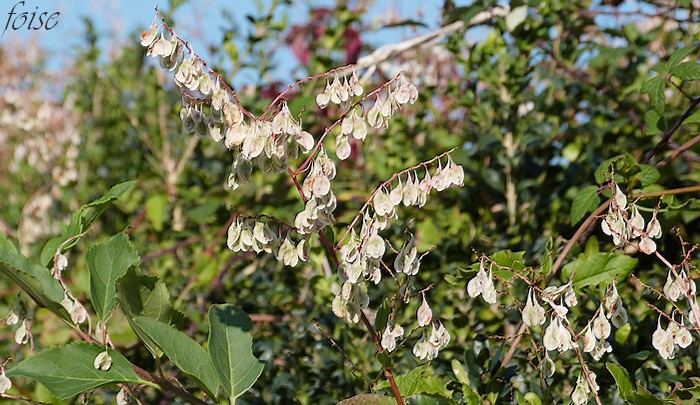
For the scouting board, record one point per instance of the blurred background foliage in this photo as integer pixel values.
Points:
(532, 104)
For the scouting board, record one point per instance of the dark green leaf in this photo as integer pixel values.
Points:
(95, 208)
(649, 175)
(35, 280)
(184, 352)
(230, 350)
(655, 86)
(599, 268)
(107, 263)
(69, 370)
(624, 385)
(687, 71)
(679, 54)
(585, 202)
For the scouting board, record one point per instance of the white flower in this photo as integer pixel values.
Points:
(620, 199)
(601, 347)
(533, 313)
(683, 338)
(589, 340)
(647, 245)
(547, 366)
(636, 222)
(147, 37)
(5, 383)
(671, 288)
(21, 334)
(570, 297)
(653, 227)
(103, 361)
(382, 204)
(122, 397)
(390, 335)
(551, 334)
(424, 313)
(601, 325)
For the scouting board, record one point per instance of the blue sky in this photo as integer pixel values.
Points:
(116, 19)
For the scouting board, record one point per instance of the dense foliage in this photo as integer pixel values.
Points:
(562, 264)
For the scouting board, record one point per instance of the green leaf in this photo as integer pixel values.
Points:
(644, 397)
(35, 280)
(382, 317)
(183, 351)
(516, 17)
(599, 268)
(655, 86)
(687, 71)
(585, 202)
(624, 385)
(141, 294)
(368, 399)
(230, 349)
(6, 243)
(460, 372)
(655, 123)
(156, 210)
(107, 263)
(81, 220)
(68, 370)
(679, 54)
(408, 383)
(649, 175)
(68, 239)
(513, 261)
(92, 210)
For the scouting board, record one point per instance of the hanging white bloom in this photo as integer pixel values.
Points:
(551, 334)
(533, 313)
(671, 288)
(589, 340)
(5, 383)
(103, 361)
(547, 366)
(636, 222)
(601, 325)
(424, 313)
(390, 335)
(22, 334)
(653, 227)
(619, 199)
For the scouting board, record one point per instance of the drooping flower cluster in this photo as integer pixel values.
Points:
(360, 256)
(583, 389)
(625, 223)
(339, 91)
(321, 201)
(674, 288)
(533, 312)
(390, 335)
(428, 346)
(354, 124)
(242, 237)
(665, 340)
(482, 284)
(211, 109)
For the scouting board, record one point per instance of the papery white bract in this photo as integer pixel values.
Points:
(424, 314)
(533, 312)
(5, 383)
(103, 361)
